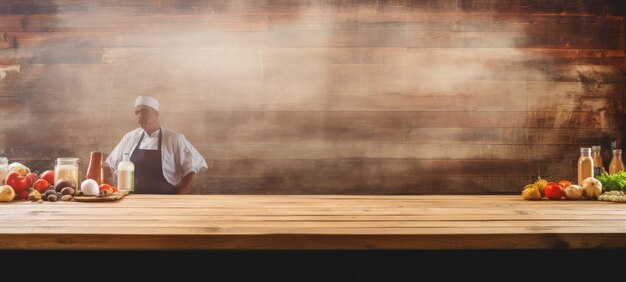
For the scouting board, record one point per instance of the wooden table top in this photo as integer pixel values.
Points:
(298, 222)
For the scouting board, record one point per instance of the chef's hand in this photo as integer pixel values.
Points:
(186, 183)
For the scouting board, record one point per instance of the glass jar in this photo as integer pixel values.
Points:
(4, 169)
(67, 167)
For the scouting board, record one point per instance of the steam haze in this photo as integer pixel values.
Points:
(271, 93)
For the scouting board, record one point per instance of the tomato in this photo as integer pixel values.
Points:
(564, 183)
(48, 175)
(554, 191)
(41, 185)
(114, 189)
(32, 177)
(17, 182)
(105, 186)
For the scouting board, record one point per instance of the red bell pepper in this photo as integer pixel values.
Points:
(20, 183)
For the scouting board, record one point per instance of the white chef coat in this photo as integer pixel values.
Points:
(178, 156)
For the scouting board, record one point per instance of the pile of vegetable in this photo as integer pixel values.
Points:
(590, 188)
(615, 182)
(534, 191)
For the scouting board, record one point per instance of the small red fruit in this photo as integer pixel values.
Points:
(32, 178)
(115, 190)
(554, 191)
(48, 175)
(41, 185)
(105, 186)
(564, 183)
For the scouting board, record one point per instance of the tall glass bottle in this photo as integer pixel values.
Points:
(126, 174)
(617, 164)
(585, 165)
(596, 155)
(94, 170)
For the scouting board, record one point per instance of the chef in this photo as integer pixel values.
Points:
(165, 162)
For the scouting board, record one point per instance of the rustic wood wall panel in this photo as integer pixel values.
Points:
(322, 97)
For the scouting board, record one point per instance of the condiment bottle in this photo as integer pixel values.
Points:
(617, 164)
(598, 167)
(4, 169)
(94, 170)
(126, 174)
(585, 165)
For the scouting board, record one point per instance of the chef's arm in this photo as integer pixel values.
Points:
(186, 183)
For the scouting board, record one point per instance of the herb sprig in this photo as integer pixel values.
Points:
(615, 182)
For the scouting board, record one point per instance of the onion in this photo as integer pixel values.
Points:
(89, 187)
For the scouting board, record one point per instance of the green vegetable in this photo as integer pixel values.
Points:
(615, 182)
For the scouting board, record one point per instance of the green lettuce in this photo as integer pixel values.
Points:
(615, 182)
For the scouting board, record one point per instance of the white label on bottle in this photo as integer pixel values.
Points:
(126, 180)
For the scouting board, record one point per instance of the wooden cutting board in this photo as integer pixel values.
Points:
(114, 197)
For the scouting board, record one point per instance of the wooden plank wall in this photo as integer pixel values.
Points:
(321, 97)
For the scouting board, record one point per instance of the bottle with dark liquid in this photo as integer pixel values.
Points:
(596, 154)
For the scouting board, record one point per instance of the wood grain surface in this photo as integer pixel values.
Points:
(290, 222)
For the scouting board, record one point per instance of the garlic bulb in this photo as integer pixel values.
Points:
(613, 196)
(592, 187)
(89, 187)
(574, 192)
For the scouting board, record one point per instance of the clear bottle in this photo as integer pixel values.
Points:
(4, 169)
(585, 165)
(67, 167)
(126, 174)
(617, 164)
(598, 167)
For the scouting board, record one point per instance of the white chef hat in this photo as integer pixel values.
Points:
(147, 101)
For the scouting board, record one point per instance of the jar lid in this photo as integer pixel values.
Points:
(617, 151)
(585, 150)
(596, 148)
(66, 160)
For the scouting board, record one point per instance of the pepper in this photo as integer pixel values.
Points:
(20, 183)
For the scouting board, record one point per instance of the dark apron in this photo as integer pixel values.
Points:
(149, 177)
